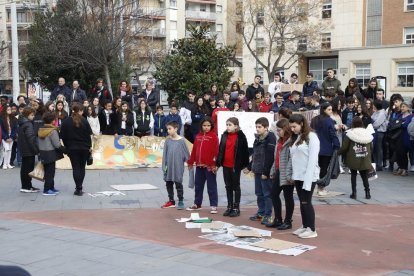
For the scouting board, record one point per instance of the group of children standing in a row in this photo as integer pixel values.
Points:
(291, 161)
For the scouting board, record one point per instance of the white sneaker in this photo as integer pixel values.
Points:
(10, 166)
(308, 234)
(412, 168)
(213, 210)
(341, 170)
(25, 191)
(299, 231)
(322, 192)
(5, 167)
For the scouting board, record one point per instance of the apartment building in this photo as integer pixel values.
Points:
(25, 15)
(170, 20)
(362, 39)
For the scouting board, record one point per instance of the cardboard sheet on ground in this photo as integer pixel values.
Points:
(295, 251)
(213, 225)
(275, 244)
(134, 187)
(329, 194)
(123, 152)
(246, 234)
(106, 193)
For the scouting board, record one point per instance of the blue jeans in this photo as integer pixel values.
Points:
(262, 189)
(201, 176)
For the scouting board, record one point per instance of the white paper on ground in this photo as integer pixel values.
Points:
(195, 216)
(297, 250)
(134, 187)
(263, 233)
(183, 220)
(192, 225)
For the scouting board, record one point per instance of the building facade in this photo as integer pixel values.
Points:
(362, 39)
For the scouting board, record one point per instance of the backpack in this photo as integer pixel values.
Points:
(410, 129)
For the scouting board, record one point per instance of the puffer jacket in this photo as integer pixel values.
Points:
(263, 158)
(285, 171)
(27, 141)
(357, 147)
(50, 147)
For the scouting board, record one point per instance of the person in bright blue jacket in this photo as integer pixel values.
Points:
(159, 122)
(324, 127)
(174, 116)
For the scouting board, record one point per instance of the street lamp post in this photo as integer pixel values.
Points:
(15, 51)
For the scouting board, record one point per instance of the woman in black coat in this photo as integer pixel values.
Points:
(27, 144)
(76, 136)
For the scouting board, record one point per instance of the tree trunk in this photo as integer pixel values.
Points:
(108, 80)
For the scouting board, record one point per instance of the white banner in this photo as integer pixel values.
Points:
(247, 122)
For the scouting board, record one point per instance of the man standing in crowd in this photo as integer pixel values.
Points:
(151, 96)
(294, 102)
(254, 87)
(78, 95)
(100, 92)
(293, 79)
(185, 114)
(331, 82)
(380, 95)
(61, 89)
(310, 86)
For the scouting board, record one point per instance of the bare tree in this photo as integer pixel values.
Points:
(3, 64)
(276, 32)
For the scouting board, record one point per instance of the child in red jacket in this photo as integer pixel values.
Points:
(203, 155)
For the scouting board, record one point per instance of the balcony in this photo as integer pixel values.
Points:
(202, 1)
(156, 32)
(150, 12)
(200, 16)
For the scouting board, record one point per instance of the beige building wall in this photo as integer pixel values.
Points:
(384, 62)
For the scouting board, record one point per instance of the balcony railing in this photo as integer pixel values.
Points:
(152, 12)
(199, 15)
(159, 32)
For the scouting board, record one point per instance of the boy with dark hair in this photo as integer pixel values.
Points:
(160, 122)
(266, 105)
(310, 86)
(175, 154)
(294, 102)
(349, 112)
(254, 87)
(261, 164)
(241, 99)
(173, 116)
(331, 82)
(228, 103)
(221, 107)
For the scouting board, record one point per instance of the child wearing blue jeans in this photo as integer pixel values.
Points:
(261, 164)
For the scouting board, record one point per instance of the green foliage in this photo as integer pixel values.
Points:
(194, 64)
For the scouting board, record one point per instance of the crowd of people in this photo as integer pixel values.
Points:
(359, 125)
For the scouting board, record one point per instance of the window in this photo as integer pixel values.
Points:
(260, 42)
(327, 9)
(363, 73)
(219, 8)
(374, 22)
(260, 71)
(318, 67)
(219, 27)
(410, 5)
(409, 35)
(173, 3)
(405, 74)
(302, 44)
(203, 7)
(239, 27)
(173, 25)
(326, 41)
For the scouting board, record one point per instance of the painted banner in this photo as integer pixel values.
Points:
(124, 152)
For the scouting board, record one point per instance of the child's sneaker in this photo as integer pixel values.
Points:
(234, 213)
(193, 207)
(266, 220)
(257, 217)
(168, 204)
(213, 210)
(180, 205)
(49, 193)
(56, 190)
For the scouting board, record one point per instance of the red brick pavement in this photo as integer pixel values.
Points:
(353, 239)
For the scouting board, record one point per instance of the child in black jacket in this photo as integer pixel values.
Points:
(233, 157)
(261, 164)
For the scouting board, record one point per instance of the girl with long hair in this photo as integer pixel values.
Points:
(60, 114)
(233, 157)
(282, 176)
(324, 127)
(8, 123)
(144, 121)
(124, 121)
(198, 113)
(76, 136)
(304, 152)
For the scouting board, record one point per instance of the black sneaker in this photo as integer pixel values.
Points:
(78, 193)
(234, 213)
(227, 212)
